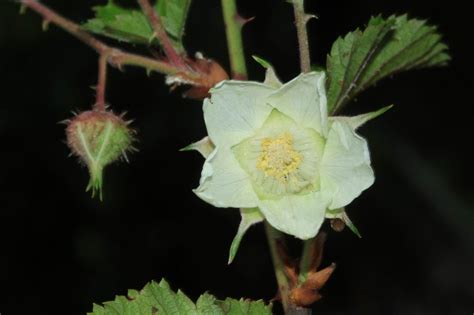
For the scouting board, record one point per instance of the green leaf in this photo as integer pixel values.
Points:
(158, 298)
(122, 24)
(244, 307)
(383, 48)
(250, 217)
(174, 14)
(132, 26)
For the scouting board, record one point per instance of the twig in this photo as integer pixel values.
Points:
(155, 22)
(233, 25)
(101, 83)
(301, 18)
(116, 57)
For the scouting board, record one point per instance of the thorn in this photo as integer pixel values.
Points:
(308, 17)
(242, 21)
(124, 154)
(123, 114)
(74, 113)
(23, 9)
(45, 25)
(129, 122)
(64, 122)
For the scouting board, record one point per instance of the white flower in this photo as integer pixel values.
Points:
(277, 150)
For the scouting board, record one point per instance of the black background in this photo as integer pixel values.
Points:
(60, 250)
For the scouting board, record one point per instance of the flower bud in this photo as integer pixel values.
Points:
(98, 138)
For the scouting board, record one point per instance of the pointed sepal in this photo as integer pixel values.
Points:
(249, 217)
(203, 146)
(271, 79)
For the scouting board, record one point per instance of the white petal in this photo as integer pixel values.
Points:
(224, 183)
(298, 215)
(304, 100)
(345, 167)
(235, 111)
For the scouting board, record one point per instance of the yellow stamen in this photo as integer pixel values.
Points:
(278, 159)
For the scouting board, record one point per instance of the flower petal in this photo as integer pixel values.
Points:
(345, 166)
(304, 100)
(298, 215)
(235, 111)
(224, 183)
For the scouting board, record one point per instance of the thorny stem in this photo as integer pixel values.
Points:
(101, 83)
(155, 22)
(301, 18)
(116, 57)
(233, 25)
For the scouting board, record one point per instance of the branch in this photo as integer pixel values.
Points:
(116, 57)
(233, 25)
(101, 84)
(155, 22)
(301, 18)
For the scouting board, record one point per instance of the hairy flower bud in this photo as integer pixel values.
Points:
(98, 138)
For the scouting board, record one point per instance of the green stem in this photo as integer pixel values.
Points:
(301, 18)
(273, 237)
(233, 26)
(306, 259)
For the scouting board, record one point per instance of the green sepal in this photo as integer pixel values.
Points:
(249, 217)
(342, 215)
(203, 146)
(357, 121)
(271, 79)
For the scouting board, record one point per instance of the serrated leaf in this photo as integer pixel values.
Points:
(158, 298)
(132, 26)
(119, 23)
(174, 14)
(250, 217)
(385, 47)
(245, 307)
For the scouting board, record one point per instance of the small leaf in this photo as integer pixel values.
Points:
(132, 26)
(121, 24)
(249, 217)
(384, 47)
(174, 14)
(158, 298)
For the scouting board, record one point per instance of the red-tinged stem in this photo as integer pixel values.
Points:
(155, 21)
(101, 83)
(116, 57)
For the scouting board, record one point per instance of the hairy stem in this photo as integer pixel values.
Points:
(101, 83)
(301, 18)
(233, 26)
(155, 21)
(116, 57)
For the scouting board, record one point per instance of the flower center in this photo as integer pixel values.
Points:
(278, 158)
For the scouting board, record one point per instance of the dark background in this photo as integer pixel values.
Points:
(60, 250)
